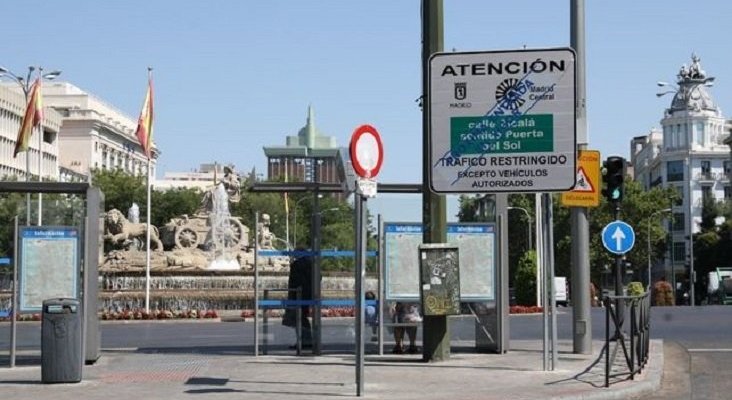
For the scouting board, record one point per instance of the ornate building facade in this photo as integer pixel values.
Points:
(688, 153)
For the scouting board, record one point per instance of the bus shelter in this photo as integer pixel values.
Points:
(55, 236)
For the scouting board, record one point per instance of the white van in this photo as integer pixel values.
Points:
(561, 292)
(713, 280)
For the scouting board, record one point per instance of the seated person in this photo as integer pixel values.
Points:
(405, 313)
(372, 315)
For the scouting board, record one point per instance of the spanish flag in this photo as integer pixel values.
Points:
(145, 122)
(32, 118)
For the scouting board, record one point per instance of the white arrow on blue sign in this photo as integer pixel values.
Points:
(618, 237)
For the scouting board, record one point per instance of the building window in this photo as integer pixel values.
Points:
(707, 194)
(674, 171)
(706, 169)
(700, 133)
(677, 223)
(679, 252)
(679, 201)
(728, 192)
(49, 137)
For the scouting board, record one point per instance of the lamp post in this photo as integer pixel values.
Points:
(692, 275)
(25, 86)
(650, 217)
(528, 222)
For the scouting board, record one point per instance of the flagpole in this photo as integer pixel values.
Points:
(27, 179)
(149, 170)
(40, 147)
(147, 256)
(27, 156)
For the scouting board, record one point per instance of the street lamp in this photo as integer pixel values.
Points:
(650, 217)
(528, 222)
(25, 86)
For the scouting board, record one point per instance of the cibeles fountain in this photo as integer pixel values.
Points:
(201, 261)
(225, 233)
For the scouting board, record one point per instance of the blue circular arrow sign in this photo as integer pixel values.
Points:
(618, 237)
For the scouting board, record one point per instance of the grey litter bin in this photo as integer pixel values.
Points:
(61, 350)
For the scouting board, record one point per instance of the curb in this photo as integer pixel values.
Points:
(651, 383)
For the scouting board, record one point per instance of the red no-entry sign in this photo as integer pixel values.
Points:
(367, 151)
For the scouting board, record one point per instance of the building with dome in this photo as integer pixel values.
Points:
(690, 154)
(308, 156)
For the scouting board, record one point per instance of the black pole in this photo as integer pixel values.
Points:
(618, 281)
(315, 247)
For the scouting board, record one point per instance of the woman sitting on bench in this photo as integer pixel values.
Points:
(405, 313)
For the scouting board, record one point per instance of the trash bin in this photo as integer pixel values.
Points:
(61, 349)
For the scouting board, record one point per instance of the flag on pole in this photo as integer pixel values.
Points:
(32, 118)
(145, 122)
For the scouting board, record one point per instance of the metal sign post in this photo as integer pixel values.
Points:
(361, 235)
(256, 285)
(367, 155)
(618, 238)
(14, 303)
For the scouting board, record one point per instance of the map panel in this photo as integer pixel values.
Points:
(49, 265)
(476, 244)
(401, 249)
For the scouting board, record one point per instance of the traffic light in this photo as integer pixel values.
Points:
(613, 172)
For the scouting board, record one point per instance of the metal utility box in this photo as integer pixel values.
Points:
(439, 279)
(61, 341)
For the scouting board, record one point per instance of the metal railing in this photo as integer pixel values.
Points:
(635, 342)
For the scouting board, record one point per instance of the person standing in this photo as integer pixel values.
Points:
(301, 277)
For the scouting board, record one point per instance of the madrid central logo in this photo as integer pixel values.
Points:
(509, 92)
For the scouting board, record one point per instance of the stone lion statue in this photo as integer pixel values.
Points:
(122, 233)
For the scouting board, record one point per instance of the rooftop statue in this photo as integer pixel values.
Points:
(693, 72)
(691, 94)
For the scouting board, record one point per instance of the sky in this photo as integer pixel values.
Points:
(234, 76)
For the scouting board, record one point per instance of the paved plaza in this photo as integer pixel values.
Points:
(233, 372)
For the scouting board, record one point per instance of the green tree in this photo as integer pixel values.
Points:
(709, 213)
(171, 203)
(11, 204)
(525, 280)
(476, 208)
(264, 203)
(121, 189)
(637, 207)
